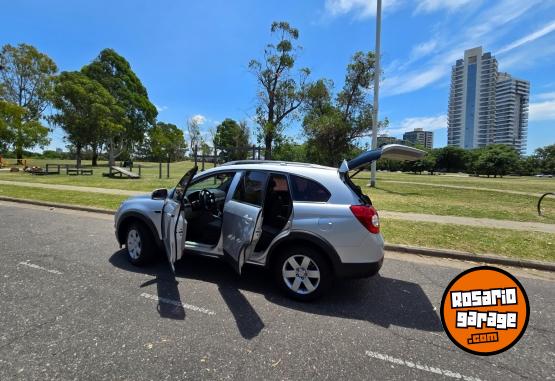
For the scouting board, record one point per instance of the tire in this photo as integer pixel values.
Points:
(293, 269)
(139, 244)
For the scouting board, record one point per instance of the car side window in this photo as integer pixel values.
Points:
(304, 189)
(221, 181)
(251, 188)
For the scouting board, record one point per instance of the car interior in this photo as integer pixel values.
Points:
(205, 205)
(205, 208)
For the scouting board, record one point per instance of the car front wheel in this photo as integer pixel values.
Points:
(139, 244)
(303, 273)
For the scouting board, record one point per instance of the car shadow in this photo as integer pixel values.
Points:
(378, 300)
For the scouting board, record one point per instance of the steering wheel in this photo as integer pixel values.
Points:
(207, 199)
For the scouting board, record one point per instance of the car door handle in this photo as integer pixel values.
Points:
(247, 217)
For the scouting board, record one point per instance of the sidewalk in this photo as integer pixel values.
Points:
(471, 221)
(465, 187)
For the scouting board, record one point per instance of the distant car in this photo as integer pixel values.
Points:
(307, 223)
(542, 175)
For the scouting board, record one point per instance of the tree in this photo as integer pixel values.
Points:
(546, 158)
(333, 128)
(497, 160)
(114, 73)
(86, 110)
(167, 142)
(26, 77)
(451, 159)
(288, 150)
(280, 94)
(232, 139)
(193, 129)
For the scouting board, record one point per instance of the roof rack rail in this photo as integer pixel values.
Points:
(280, 162)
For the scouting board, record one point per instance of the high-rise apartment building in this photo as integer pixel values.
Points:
(486, 107)
(471, 116)
(511, 111)
(421, 137)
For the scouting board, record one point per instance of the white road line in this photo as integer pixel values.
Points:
(415, 365)
(178, 303)
(26, 263)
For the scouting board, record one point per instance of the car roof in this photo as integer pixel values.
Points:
(301, 169)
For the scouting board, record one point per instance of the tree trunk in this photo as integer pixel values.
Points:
(19, 154)
(268, 143)
(94, 155)
(111, 153)
(78, 149)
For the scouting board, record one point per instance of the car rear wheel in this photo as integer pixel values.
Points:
(139, 245)
(302, 273)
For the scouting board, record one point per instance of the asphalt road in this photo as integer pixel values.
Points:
(72, 308)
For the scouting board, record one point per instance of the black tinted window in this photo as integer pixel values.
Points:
(308, 190)
(251, 188)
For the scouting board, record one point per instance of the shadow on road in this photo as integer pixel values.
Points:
(378, 300)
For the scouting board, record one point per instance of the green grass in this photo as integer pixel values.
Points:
(149, 176)
(98, 200)
(510, 243)
(522, 184)
(457, 202)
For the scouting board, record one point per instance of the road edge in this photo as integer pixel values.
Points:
(430, 252)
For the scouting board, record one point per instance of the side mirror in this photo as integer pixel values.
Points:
(160, 194)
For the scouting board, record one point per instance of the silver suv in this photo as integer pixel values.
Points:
(307, 223)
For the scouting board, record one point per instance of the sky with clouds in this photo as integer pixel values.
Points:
(193, 56)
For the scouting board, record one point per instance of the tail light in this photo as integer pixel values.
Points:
(368, 217)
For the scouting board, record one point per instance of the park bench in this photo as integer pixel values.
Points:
(78, 171)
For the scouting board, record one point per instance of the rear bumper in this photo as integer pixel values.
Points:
(358, 270)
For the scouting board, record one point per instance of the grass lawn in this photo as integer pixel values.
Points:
(521, 184)
(457, 202)
(510, 243)
(98, 200)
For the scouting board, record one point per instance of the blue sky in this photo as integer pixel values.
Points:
(192, 56)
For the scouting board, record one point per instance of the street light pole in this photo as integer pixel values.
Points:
(376, 89)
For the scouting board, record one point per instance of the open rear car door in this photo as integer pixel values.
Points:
(174, 224)
(389, 151)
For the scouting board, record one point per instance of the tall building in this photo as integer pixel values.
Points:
(471, 114)
(511, 111)
(485, 106)
(421, 137)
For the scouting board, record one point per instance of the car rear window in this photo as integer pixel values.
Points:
(304, 189)
(251, 188)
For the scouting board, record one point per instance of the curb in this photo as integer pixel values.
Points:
(441, 253)
(466, 256)
(58, 205)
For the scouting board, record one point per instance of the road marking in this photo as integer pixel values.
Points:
(178, 303)
(415, 365)
(26, 263)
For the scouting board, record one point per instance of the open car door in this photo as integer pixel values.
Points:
(242, 221)
(389, 151)
(174, 224)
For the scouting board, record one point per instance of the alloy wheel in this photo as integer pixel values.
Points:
(301, 274)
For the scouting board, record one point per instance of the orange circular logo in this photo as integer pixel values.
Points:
(485, 310)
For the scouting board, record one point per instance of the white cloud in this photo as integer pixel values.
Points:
(364, 8)
(414, 80)
(428, 123)
(423, 49)
(200, 119)
(427, 6)
(529, 38)
(543, 110)
(160, 108)
(483, 31)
